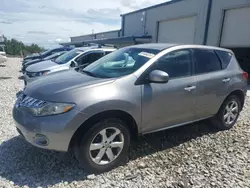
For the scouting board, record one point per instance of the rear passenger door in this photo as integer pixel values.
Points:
(212, 82)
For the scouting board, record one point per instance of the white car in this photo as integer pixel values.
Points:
(78, 57)
(3, 57)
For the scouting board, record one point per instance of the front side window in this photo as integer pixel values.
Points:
(65, 58)
(121, 62)
(108, 52)
(206, 61)
(176, 64)
(89, 58)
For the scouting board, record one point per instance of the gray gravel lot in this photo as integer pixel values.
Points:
(195, 155)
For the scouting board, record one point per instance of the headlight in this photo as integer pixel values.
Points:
(42, 73)
(51, 109)
(35, 74)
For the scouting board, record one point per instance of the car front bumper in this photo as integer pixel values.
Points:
(48, 132)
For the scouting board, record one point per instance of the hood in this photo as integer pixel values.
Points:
(61, 86)
(33, 62)
(42, 66)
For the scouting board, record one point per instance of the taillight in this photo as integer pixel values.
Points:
(245, 75)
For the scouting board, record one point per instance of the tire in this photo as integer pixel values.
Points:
(219, 120)
(89, 158)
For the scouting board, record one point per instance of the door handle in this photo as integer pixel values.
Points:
(226, 80)
(190, 88)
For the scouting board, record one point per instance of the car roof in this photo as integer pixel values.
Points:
(163, 46)
(93, 48)
(155, 46)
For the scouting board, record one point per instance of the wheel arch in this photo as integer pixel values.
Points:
(240, 94)
(122, 115)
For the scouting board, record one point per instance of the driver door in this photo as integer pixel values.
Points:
(170, 104)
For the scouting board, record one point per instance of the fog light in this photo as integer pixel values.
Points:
(41, 140)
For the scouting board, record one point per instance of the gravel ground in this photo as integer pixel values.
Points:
(195, 155)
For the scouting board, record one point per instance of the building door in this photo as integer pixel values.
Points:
(177, 31)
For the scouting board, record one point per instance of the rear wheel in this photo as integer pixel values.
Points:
(228, 113)
(104, 146)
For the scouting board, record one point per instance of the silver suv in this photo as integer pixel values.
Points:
(132, 91)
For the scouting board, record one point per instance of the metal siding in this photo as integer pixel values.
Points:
(112, 34)
(219, 7)
(108, 34)
(172, 31)
(81, 38)
(134, 26)
(236, 28)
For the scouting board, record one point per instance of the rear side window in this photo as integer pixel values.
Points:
(206, 61)
(225, 58)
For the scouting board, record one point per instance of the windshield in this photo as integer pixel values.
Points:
(53, 56)
(121, 62)
(67, 56)
(1, 49)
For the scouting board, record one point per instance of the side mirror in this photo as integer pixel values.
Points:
(158, 76)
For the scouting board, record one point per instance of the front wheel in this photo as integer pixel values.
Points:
(104, 146)
(228, 113)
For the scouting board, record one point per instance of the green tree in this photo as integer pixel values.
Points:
(15, 47)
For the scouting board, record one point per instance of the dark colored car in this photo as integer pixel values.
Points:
(51, 57)
(45, 54)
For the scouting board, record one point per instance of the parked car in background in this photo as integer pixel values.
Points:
(51, 57)
(133, 91)
(3, 57)
(78, 57)
(45, 54)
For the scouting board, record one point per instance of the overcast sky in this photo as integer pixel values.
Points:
(47, 22)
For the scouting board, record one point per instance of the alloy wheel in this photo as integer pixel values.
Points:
(106, 146)
(231, 112)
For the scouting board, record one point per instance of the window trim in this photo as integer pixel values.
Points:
(143, 79)
(194, 60)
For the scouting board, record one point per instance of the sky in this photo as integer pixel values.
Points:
(48, 22)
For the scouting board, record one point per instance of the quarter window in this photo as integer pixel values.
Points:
(176, 63)
(225, 58)
(206, 61)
